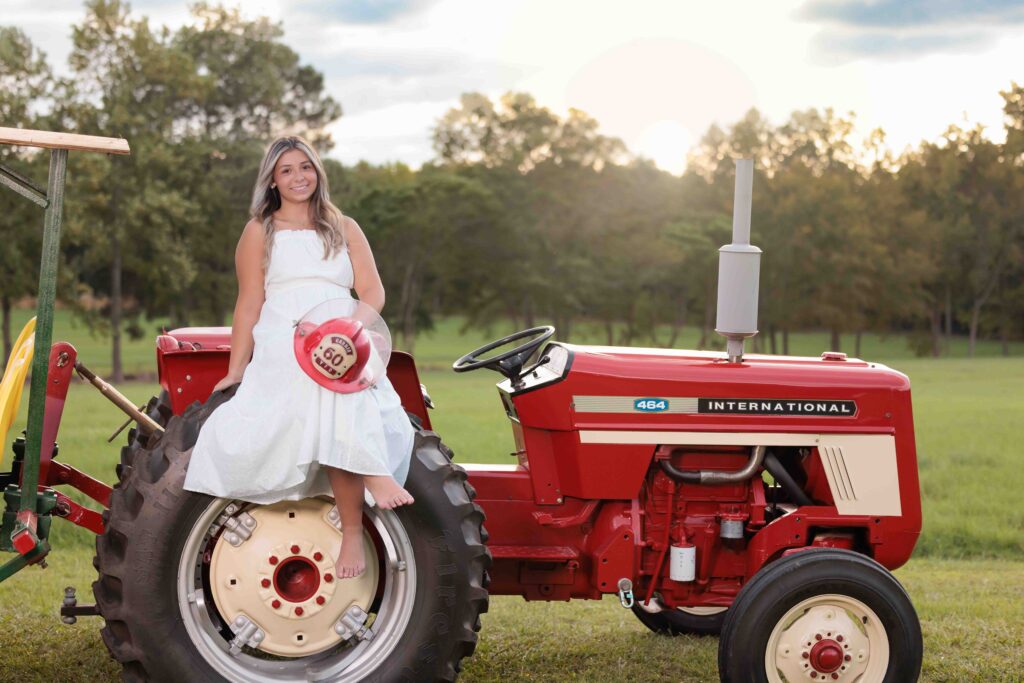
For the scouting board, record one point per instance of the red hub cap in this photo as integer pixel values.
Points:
(826, 656)
(296, 579)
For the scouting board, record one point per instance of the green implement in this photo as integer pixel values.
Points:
(23, 533)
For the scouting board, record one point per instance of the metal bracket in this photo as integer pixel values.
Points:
(352, 624)
(334, 517)
(239, 529)
(247, 632)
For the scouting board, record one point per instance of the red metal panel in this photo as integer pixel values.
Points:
(405, 379)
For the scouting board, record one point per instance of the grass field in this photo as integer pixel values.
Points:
(967, 577)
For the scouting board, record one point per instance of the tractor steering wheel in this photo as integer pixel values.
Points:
(510, 363)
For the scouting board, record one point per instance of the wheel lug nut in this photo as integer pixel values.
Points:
(320, 600)
(275, 604)
(299, 611)
(839, 638)
(318, 556)
(847, 658)
(805, 655)
(817, 636)
(328, 578)
(295, 550)
(835, 677)
(265, 583)
(273, 559)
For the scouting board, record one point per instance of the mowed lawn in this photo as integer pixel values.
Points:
(966, 580)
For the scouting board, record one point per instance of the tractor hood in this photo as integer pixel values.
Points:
(577, 387)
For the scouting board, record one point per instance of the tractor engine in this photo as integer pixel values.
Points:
(698, 532)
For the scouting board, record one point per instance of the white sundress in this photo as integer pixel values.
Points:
(269, 441)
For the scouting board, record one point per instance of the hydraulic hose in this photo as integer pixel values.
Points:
(716, 476)
(782, 476)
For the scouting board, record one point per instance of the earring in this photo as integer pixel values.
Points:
(273, 186)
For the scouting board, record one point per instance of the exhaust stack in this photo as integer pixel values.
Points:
(739, 270)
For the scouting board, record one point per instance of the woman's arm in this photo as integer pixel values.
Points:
(249, 268)
(367, 284)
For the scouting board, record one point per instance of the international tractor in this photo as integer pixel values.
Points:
(761, 498)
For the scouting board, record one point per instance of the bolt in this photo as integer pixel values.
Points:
(814, 674)
(835, 677)
(328, 578)
(847, 658)
(320, 600)
(265, 583)
(273, 559)
(318, 556)
(299, 611)
(817, 636)
(839, 638)
(805, 655)
(295, 550)
(275, 604)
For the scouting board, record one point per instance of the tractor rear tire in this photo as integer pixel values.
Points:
(679, 622)
(151, 518)
(821, 614)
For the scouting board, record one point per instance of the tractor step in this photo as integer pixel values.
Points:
(70, 610)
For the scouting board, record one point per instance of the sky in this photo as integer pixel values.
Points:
(655, 73)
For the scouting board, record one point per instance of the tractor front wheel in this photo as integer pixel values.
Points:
(821, 615)
(194, 588)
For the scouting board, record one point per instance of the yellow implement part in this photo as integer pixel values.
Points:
(13, 383)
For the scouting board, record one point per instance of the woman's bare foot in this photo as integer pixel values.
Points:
(351, 560)
(386, 492)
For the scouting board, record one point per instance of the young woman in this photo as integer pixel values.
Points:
(282, 436)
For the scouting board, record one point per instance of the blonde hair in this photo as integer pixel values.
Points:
(327, 219)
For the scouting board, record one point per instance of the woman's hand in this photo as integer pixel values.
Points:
(229, 380)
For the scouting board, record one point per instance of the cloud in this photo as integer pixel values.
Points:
(883, 14)
(365, 11)
(837, 47)
(906, 29)
(364, 79)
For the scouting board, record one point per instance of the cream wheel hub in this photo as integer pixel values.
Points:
(273, 578)
(828, 638)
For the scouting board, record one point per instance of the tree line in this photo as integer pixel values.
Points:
(524, 215)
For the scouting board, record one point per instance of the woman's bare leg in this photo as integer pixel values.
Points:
(348, 496)
(386, 492)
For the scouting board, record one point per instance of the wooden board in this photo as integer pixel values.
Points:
(42, 138)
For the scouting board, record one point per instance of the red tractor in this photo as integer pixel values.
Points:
(764, 498)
